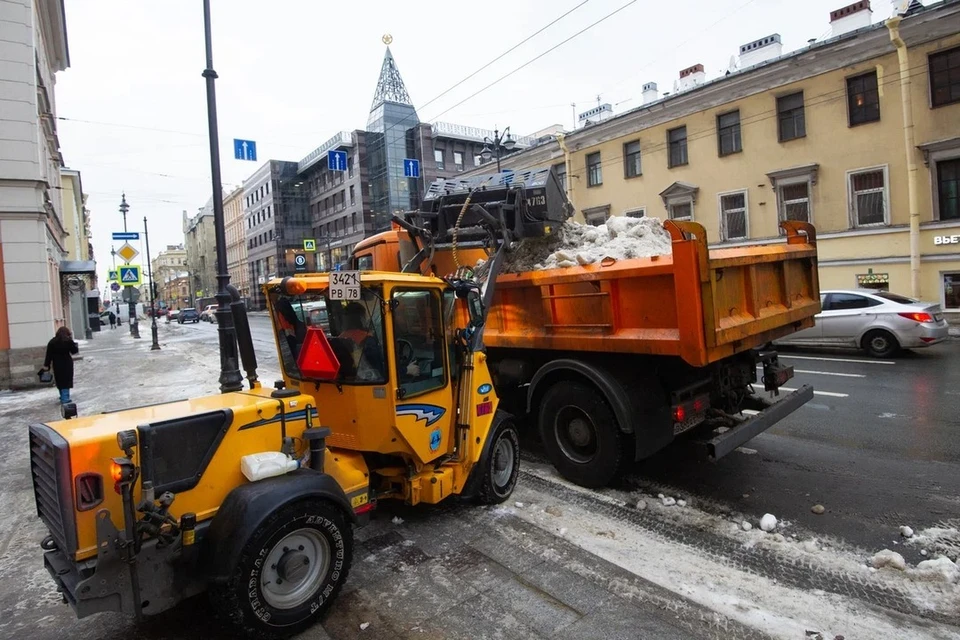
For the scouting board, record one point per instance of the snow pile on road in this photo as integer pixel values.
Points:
(621, 238)
(887, 558)
(768, 522)
(940, 569)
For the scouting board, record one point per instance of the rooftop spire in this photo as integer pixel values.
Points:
(390, 85)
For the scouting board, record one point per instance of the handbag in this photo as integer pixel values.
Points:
(45, 376)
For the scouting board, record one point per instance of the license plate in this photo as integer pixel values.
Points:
(344, 285)
(938, 317)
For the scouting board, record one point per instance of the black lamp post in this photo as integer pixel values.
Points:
(131, 301)
(113, 254)
(230, 378)
(499, 139)
(153, 306)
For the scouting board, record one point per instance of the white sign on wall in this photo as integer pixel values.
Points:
(946, 239)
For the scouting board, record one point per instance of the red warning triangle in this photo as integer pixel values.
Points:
(317, 360)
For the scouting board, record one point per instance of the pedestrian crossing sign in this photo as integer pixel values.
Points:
(309, 244)
(130, 275)
(112, 275)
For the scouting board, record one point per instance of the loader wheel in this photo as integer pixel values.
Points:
(503, 464)
(289, 571)
(580, 434)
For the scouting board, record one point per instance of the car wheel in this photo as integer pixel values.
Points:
(289, 572)
(880, 344)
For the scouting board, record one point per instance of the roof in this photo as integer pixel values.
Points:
(390, 87)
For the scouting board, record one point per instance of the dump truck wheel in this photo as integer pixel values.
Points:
(502, 464)
(289, 571)
(580, 434)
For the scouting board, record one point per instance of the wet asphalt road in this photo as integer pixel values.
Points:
(878, 447)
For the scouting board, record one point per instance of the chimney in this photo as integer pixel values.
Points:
(760, 50)
(649, 92)
(595, 115)
(850, 18)
(691, 77)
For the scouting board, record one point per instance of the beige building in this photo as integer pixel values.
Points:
(168, 265)
(78, 276)
(816, 135)
(32, 234)
(200, 242)
(236, 236)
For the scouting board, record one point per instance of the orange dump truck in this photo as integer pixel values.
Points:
(612, 361)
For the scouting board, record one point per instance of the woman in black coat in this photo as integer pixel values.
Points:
(60, 352)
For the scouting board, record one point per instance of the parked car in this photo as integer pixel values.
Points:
(879, 322)
(188, 315)
(173, 314)
(208, 313)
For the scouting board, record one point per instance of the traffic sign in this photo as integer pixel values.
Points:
(127, 252)
(130, 294)
(126, 235)
(244, 149)
(336, 160)
(130, 275)
(112, 275)
(115, 286)
(411, 168)
(300, 262)
(309, 244)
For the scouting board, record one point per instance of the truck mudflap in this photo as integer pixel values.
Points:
(770, 413)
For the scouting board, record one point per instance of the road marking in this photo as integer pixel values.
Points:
(784, 355)
(832, 394)
(826, 373)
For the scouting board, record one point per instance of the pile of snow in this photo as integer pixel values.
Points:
(939, 570)
(906, 531)
(768, 522)
(887, 558)
(621, 238)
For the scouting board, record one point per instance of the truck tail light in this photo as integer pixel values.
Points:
(693, 410)
(916, 316)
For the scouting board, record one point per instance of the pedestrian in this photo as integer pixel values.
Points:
(60, 352)
(113, 320)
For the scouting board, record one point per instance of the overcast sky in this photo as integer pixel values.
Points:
(294, 72)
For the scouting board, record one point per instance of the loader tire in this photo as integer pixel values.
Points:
(289, 572)
(580, 435)
(502, 464)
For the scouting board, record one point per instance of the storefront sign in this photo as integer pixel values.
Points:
(946, 239)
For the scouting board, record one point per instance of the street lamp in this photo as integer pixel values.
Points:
(132, 302)
(113, 254)
(499, 139)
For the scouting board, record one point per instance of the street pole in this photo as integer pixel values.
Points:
(113, 254)
(230, 378)
(131, 301)
(155, 346)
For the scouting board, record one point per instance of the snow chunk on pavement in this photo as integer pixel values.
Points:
(746, 525)
(364, 625)
(397, 520)
(681, 503)
(518, 505)
(887, 558)
(906, 532)
(939, 570)
(641, 505)
(668, 501)
(768, 522)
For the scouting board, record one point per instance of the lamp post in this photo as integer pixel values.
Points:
(131, 301)
(155, 346)
(499, 139)
(113, 254)
(230, 378)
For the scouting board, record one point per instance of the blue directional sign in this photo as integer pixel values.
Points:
(336, 160)
(244, 149)
(126, 235)
(411, 168)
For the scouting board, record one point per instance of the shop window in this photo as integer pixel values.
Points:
(951, 291)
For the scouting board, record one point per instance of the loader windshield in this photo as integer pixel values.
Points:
(355, 331)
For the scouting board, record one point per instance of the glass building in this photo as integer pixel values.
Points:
(391, 130)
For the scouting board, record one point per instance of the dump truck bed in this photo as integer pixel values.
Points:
(697, 304)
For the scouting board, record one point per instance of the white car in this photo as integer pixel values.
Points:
(879, 322)
(208, 313)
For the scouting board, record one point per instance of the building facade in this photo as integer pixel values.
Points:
(815, 135)
(169, 265)
(78, 275)
(32, 234)
(276, 221)
(236, 236)
(200, 245)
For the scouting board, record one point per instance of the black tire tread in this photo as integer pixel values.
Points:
(487, 494)
(894, 343)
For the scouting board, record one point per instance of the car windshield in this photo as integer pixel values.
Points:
(892, 297)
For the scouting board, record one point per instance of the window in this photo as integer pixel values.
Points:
(951, 291)
(353, 196)
(793, 201)
(353, 221)
(476, 160)
(863, 99)
(594, 173)
(350, 166)
(458, 160)
(680, 210)
(438, 158)
(868, 196)
(790, 117)
(636, 213)
(631, 159)
(848, 301)
(561, 170)
(733, 216)
(728, 133)
(677, 140)
(948, 190)
(418, 334)
(596, 216)
(945, 77)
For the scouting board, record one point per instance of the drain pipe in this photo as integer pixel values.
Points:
(913, 190)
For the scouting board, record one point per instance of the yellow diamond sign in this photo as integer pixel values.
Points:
(127, 252)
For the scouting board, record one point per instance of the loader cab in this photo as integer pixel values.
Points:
(394, 390)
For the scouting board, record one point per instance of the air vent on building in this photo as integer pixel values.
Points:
(850, 18)
(760, 50)
(649, 92)
(691, 77)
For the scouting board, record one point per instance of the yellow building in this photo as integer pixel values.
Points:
(78, 273)
(817, 134)
(235, 232)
